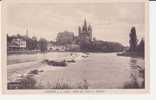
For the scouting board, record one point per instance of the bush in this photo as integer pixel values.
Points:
(22, 83)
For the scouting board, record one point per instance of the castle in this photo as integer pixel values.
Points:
(85, 36)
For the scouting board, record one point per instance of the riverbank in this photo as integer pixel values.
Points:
(23, 52)
(38, 51)
(131, 54)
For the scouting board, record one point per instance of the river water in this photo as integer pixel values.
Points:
(97, 70)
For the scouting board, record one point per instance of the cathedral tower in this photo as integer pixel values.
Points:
(85, 36)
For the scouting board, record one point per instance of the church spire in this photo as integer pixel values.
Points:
(85, 22)
(85, 25)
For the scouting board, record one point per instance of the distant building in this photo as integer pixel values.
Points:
(64, 38)
(58, 48)
(50, 46)
(85, 36)
(73, 47)
(17, 44)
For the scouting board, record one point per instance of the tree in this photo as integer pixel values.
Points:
(43, 45)
(140, 47)
(133, 40)
(34, 43)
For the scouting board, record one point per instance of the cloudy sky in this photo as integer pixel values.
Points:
(110, 21)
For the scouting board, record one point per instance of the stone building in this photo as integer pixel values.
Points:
(85, 36)
(64, 38)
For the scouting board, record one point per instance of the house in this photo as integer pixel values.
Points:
(17, 44)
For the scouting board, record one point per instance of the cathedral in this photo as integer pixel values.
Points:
(85, 36)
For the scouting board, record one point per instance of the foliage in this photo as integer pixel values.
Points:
(133, 40)
(31, 44)
(105, 46)
(43, 45)
(140, 47)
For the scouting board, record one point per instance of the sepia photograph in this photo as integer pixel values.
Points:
(75, 46)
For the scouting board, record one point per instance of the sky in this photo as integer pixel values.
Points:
(109, 21)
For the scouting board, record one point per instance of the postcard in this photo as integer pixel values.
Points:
(75, 47)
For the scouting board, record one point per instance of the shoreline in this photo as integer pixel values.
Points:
(37, 51)
(131, 54)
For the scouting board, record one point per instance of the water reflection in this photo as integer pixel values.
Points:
(137, 75)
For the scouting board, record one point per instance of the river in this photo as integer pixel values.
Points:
(97, 70)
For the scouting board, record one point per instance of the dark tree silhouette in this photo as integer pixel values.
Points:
(43, 45)
(34, 43)
(140, 47)
(133, 40)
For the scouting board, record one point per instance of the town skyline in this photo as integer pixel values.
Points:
(44, 21)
